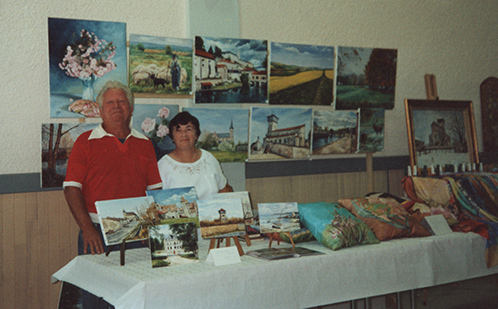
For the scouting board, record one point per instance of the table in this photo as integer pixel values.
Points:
(337, 276)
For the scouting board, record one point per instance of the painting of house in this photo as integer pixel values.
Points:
(83, 56)
(301, 74)
(250, 211)
(366, 77)
(280, 133)
(57, 142)
(160, 66)
(334, 132)
(371, 130)
(176, 205)
(230, 70)
(224, 132)
(221, 218)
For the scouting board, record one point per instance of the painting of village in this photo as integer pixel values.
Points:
(278, 217)
(334, 132)
(224, 132)
(83, 56)
(371, 132)
(230, 70)
(221, 218)
(366, 77)
(160, 66)
(57, 142)
(301, 74)
(153, 120)
(175, 205)
(250, 213)
(280, 133)
(126, 219)
(173, 244)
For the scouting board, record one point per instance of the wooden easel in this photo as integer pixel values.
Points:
(278, 241)
(122, 249)
(219, 240)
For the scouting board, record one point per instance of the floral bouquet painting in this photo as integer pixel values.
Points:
(83, 56)
(153, 120)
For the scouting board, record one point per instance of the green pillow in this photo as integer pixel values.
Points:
(334, 226)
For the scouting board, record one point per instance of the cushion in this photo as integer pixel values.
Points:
(385, 216)
(334, 226)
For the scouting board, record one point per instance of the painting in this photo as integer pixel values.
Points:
(126, 219)
(366, 77)
(173, 244)
(224, 132)
(278, 217)
(301, 74)
(230, 70)
(371, 130)
(83, 56)
(441, 132)
(280, 133)
(221, 218)
(57, 141)
(175, 205)
(334, 132)
(153, 120)
(489, 114)
(160, 66)
(250, 212)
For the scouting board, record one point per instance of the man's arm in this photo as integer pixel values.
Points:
(91, 236)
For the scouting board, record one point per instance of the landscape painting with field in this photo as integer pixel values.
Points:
(125, 219)
(230, 70)
(371, 132)
(366, 77)
(160, 66)
(224, 132)
(280, 133)
(173, 244)
(278, 217)
(334, 132)
(221, 218)
(250, 212)
(57, 142)
(301, 74)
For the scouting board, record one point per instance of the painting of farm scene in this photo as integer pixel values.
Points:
(278, 217)
(224, 132)
(334, 132)
(160, 66)
(301, 74)
(230, 70)
(175, 205)
(126, 219)
(280, 133)
(250, 213)
(221, 218)
(371, 132)
(173, 244)
(366, 77)
(83, 56)
(57, 142)
(153, 120)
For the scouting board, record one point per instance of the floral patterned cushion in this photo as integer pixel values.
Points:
(335, 227)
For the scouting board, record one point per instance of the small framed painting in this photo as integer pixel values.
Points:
(441, 132)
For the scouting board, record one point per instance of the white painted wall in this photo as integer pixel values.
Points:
(455, 40)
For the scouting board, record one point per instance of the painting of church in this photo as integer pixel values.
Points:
(280, 133)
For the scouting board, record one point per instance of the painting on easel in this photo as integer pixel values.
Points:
(173, 244)
(221, 218)
(250, 213)
(278, 217)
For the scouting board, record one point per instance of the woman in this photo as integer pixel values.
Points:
(188, 166)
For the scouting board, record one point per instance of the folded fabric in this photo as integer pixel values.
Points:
(385, 217)
(335, 227)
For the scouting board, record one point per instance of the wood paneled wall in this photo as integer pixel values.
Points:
(39, 236)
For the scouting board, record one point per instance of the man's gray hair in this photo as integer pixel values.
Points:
(114, 84)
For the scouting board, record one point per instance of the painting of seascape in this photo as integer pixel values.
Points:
(278, 217)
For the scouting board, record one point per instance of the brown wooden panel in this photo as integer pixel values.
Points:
(32, 245)
(43, 242)
(20, 250)
(8, 252)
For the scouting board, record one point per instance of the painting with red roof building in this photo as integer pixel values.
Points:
(280, 133)
(230, 70)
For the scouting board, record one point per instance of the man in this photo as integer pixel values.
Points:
(112, 161)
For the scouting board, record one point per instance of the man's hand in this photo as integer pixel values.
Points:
(91, 237)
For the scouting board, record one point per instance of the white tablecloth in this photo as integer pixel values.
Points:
(346, 274)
